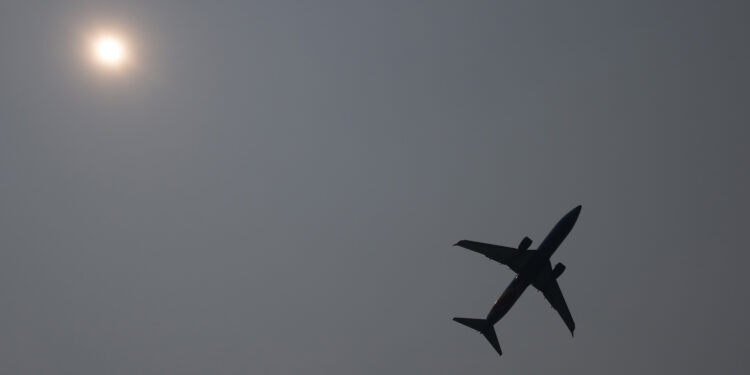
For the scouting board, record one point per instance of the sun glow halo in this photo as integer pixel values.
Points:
(109, 51)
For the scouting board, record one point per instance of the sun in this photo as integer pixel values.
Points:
(109, 51)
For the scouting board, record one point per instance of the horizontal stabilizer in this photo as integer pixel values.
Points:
(485, 328)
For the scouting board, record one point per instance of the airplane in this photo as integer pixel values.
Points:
(532, 267)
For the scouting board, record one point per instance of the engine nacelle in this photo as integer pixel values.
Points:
(525, 243)
(558, 270)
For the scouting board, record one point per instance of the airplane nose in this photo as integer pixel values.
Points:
(575, 212)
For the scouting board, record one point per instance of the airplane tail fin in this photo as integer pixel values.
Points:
(485, 328)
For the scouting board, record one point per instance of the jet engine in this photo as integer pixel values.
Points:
(558, 270)
(525, 243)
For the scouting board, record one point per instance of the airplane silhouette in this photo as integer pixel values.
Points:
(532, 267)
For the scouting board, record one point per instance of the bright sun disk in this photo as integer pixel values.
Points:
(109, 50)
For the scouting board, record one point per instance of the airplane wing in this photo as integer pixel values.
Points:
(551, 290)
(513, 258)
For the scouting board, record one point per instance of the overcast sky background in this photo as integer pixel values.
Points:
(275, 188)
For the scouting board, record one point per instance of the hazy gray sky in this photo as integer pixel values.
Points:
(276, 188)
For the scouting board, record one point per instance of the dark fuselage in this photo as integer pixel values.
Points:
(533, 266)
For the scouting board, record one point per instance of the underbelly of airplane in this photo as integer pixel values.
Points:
(507, 300)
